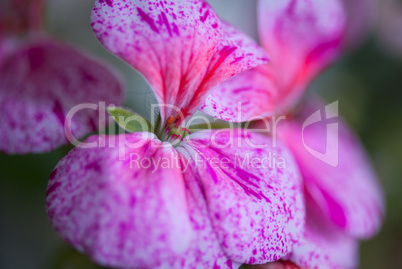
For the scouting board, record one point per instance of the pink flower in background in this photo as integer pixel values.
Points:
(344, 202)
(362, 17)
(302, 38)
(209, 206)
(389, 27)
(41, 80)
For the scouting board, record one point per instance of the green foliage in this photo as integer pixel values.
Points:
(129, 120)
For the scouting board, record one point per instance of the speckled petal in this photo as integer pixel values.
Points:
(301, 37)
(40, 82)
(275, 265)
(223, 101)
(236, 52)
(244, 97)
(181, 47)
(204, 252)
(340, 178)
(116, 204)
(254, 195)
(324, 245)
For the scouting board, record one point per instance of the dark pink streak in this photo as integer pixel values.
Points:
(166, 22)
(245, 177)
(321, 49)
(58, 111)
(336, 211)
(148, 20)
(52, 188)
(224, 54)
(204, 18)
(244, 89)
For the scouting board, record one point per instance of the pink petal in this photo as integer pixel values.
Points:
(362, 17)
(244, 97)
(181, 47)
(40, 82)
(7, 46)
(299, 52)
(341, 178)
(114, 204)
(256, 208)
(108, 187)
(302, 37)
(204, 252)
(274, 265)
(389, 26)
(324, 246)
(244, 54)
(223, 101)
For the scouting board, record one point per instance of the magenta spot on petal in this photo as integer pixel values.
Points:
(52, 188)
(336, 211)
(204, 18)
(36, 56)
(226, 51)
(53, 174)
(321, 49)
(108, 2)
(175, 29)
(94, 166)
(236, 60)
(92, 123)
(212, 173)
(88, 76)
(241, 177)
(216, 266)
(243, 89)
(147, 19)
(166, 22)
(58, 111)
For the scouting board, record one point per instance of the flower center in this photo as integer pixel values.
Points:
(172, 133)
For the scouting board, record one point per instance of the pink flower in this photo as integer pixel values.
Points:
(302, 38)
(138, 201)
(361, 21)
(390, 23)
(344, 202)
(41, 80)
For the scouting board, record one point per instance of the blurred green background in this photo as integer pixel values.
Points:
(367, 83)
